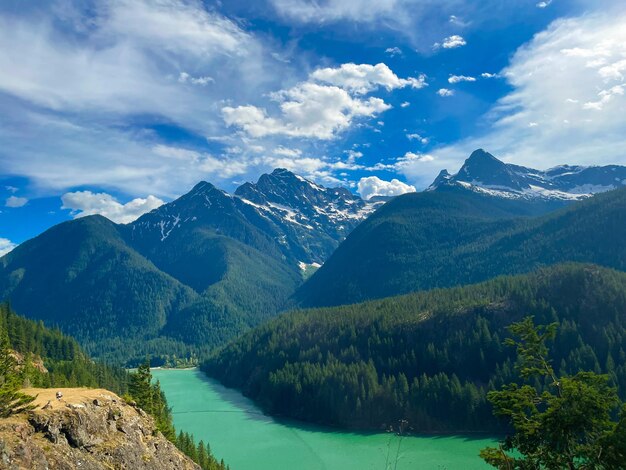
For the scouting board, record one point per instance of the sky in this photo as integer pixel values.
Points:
(117, 106)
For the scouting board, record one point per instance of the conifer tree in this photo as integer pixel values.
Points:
(566, 424)
(11, 399)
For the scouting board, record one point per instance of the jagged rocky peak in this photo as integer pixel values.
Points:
(482, 172)
(483, 168)
(442, 178)
(281, 187)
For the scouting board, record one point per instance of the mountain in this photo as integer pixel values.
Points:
(428, 357)
(312, 218)
(484, 173)
(194, 272)
(446, 238)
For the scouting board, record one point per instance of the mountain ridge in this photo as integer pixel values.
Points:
(482, 172)
(195, 271)
(446, 238)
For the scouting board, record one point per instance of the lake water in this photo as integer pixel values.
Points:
(247, 439)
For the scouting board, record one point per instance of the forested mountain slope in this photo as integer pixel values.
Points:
(428, 357)
(441, 239)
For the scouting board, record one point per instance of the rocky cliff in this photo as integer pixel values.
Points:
(88, 429)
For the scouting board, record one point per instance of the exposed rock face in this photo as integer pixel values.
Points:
(86, 429)
(484, 173)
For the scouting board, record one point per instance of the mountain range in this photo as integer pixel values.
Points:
(195, 272)
(442, 239)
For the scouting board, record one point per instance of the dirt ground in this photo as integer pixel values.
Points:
(72, 396)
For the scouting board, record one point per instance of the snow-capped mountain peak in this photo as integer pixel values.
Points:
(484, 173)
(306, 220)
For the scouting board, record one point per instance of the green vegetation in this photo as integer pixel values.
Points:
(11, 399)
(125, 298)
(32, 355)
(560, 422)
(47, 358)
(429, 357)
(150, 398)
(442, 239)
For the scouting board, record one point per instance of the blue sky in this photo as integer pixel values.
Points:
(115, 106)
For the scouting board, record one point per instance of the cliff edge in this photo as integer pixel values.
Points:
(90, 429)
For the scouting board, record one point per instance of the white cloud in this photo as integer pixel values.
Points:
(137, 62)
(405, 104)
(6, 245)
(460, 78)
(203, 162)
(371, 186)
(454, 41)
(123, 61)
(605, 97)
(418, 137)
(564, 107)
(544, 4)
(414, 157)
(393, 51)
(364, 78)
(184, 77)
(14, 201)
(335, 10)
(83, 203)
(458, 21)
(489, 75)
(353, 155)
(445, 92)
(11, 189)
(287, 152)
(322, 110)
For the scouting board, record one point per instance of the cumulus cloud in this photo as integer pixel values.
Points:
(324, 105)
(364, 78)
(418, 137)
(489, 75)
(83, 203)
(393, 51)
(445, 92)
(307, 110)
(460, 78)
(14, 201)
(544, 4)
(6, 245)
(371, 186)
(454, 41)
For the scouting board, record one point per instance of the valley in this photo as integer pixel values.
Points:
(331, 319)
(312, 235)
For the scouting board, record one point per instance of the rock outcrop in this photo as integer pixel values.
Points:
(87, 429)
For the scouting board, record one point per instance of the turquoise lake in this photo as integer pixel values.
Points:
(247, 439)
